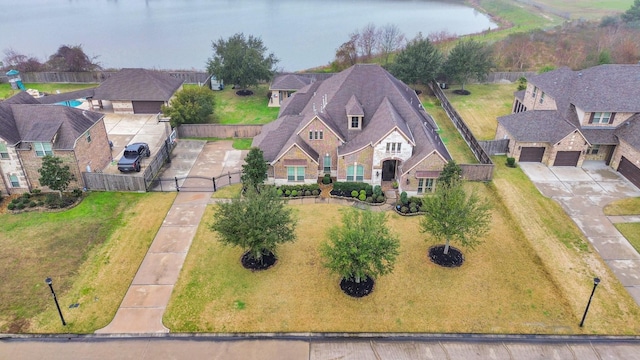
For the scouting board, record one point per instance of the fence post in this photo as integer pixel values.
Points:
(229, 173)
(214, 184)
(177, 187)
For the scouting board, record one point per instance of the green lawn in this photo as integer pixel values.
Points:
(49, 88)
(631, 231)
(630, 206)
(589, 9)
(233, 109)
(91, 252)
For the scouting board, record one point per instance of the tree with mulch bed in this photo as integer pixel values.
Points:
(55, 175)
(258, 223)
(241, 60)
(468, 60)
(452, 215)
(254, 171)
(360, 250)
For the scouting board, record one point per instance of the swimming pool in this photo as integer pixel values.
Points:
(70, 103)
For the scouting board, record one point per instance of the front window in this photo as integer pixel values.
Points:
(593, 149)
(355, 173)
(42, 149)
(601, 117)
(295, 173)
(316, 135)
(327, 164)
(393, 148)
(14, 181)
(4, 153)
(425, 185)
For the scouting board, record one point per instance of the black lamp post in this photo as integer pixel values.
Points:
(50, 283)
(596, 281)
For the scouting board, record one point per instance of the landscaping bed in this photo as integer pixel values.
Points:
(359, 191)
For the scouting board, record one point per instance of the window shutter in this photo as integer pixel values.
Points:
(591, 118)
(613, 115)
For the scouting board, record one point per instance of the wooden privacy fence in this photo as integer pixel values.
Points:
(189, 77)
(495, 147)
(468, 137)
(120, 182)
(218, 131)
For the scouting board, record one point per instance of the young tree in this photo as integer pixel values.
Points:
(254, 171)
(452, 215)
(418, 63)
(450, 172)
(468, 60)
(190, 106)
(241, 61)
(391, 40)
(362, 247)
(54, 175)
(633, 13)
(258, 222)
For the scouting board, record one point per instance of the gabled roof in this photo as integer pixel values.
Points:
(71, 95)
(537, 126)
(377, 92)
(354, 107)
(28, 122)
(138, 85)
(297, 81)
(611, 87)
(629, 131)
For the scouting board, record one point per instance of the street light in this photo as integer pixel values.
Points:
(596, 281)
(50, 283)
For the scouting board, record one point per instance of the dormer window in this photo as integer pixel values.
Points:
(356, 122)
(601, 118)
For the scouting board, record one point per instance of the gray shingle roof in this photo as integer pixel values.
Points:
(629, 131)
(611, 87)
(29, 122)
(72, 95)
(372, 86)
(138, 85)
(296, 81)
(537, 126)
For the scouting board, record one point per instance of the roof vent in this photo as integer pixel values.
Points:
(580, 74)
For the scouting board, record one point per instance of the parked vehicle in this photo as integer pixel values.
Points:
(132, 158)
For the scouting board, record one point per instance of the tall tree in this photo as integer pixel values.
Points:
(418, 63)
(452, 215)
(633, 13)
(468, 60)
(258, 222)
(368, 41)
(241, 60)
(362, 247)
(72, 58)
(55, 175)
(254, 171)
(190, 106)
(391, 40)
(450, 172)
(347, 53)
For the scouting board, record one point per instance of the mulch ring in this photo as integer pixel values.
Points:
(453, 259)
(358, 290)
(461, 92)
(249, 262)
(244, 92)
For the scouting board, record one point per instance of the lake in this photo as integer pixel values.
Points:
(177, 34)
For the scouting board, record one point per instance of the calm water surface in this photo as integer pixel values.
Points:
(177, 34)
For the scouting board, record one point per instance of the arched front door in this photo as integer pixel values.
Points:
(389, 170)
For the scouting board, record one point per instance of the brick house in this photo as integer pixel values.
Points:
(565, 117)
(284, 85)
(136, 91)
(361, 124)
(30, 130)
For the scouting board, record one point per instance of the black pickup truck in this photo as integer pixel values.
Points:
(132, 157)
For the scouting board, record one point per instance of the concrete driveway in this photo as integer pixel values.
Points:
(583, 193)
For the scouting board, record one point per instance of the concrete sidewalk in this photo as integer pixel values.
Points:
(322, 347)
(583, 193)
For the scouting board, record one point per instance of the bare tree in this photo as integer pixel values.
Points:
(347, 53)
(72, 58)
(391, 40)
(23, 63)
(368, 41)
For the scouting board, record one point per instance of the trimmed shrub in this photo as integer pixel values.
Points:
(369, 199)
(11, 206)
(36, 191)
(294, 193)
(377, 190)
(363, 192)
(287, 192)
(380, 198)
(403, 198)
(77, 192)
(40, 203)
(20, 206)
(26, 195)
(32, 203)
(511, 162)
(413, 208)
(279, 192)
(16, 200)
(315, 192)
(362, 197)
(307, 193)
(326, 179)
(404, 209)
(368, 190)
(355, 193)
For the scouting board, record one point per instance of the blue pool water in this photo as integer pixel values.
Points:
(71, 103)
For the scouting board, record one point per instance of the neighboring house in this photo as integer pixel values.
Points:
(30, 130)
(359, 125)
(136, 91)
(284, 85)
(565, 117)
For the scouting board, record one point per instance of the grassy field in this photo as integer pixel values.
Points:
(503, 287)
(481, 109)
(50, 88)
(91, 252)
(233, 109)
(589, 9)
(631, 231)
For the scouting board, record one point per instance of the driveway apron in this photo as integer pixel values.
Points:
(583, 193)
(146, 300)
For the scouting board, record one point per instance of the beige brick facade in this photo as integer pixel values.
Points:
(433, 162)
(294, 153)
(363, 157)
(625, 149)
(536, 99)
(327, 145)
